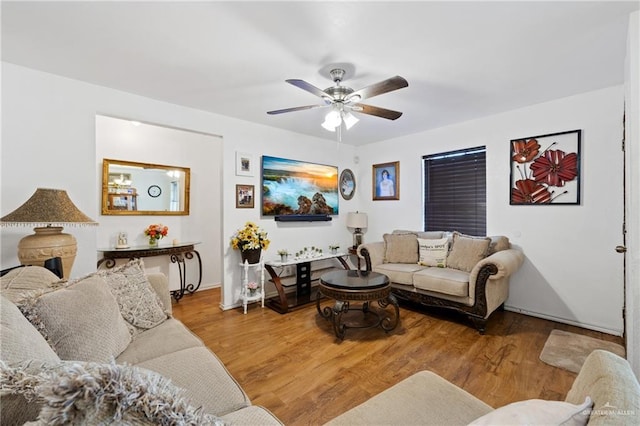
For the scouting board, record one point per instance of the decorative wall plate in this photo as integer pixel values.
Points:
(347, 184)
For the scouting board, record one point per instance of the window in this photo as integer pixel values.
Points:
(455, 196)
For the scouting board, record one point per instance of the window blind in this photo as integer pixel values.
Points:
(455, 197)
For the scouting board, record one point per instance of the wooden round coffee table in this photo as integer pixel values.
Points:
(357, 286)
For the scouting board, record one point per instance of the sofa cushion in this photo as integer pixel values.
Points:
(92, 393)
(433, 252)
(205, 379)
(424, 399)
(19, 281)
(139, 304)
(400, 248)
(443, 280)
(467, 251)
(401, 273)
(537, 412)
(170, 336)
(20, 339)
(80, 321)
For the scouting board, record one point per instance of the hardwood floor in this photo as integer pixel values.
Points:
(294, 366)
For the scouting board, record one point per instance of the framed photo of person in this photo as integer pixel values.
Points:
(386, 181)
(347, 184)
(245, 196)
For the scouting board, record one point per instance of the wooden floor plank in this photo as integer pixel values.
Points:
(293, 365)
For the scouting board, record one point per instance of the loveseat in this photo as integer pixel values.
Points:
(605, 392)
(448, 270)
(112, 327)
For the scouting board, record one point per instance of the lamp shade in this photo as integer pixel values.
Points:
(357, 220)
(45, 209)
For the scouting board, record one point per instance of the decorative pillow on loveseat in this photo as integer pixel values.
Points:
(433, 252)
(139, 304)
(400, 248)
(467, 251)
(18, 281)
(80, 321)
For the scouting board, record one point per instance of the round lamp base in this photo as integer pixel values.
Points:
(48, 242)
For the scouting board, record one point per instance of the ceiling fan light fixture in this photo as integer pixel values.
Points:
(332, 120)
(349, 120)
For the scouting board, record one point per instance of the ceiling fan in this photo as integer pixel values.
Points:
(344, 100)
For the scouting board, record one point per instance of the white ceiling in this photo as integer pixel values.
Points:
(463, 60)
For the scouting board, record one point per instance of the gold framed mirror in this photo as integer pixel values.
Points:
(132, 188)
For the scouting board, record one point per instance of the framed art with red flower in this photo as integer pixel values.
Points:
(546, 169)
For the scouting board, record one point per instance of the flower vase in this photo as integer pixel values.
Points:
(283, 258)
(253, 291)
(153, 242)
(251, 255)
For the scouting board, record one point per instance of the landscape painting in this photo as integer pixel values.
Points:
(291, 187)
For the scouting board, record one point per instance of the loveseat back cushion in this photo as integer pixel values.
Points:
(20, 340)
(139, 304)
(467, 251)
(18, 281)
(400, 248)
(537, 412)
(431, 235)
(80, 321)
(433, 252)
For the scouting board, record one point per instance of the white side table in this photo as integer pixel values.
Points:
(257, 295)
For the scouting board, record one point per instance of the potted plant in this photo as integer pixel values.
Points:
(250, 240)
(283, 254)
(334, 248)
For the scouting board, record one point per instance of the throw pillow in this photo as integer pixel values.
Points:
(433, 252)
(538, 412)
(400, 248)
(467, 251)
(139, 304)
(80, 321)
(17, 282)
(20, 340)
(498, 243)
(93, 393)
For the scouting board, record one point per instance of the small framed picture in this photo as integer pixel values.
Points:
(386, 181)
(244, 196)
(545, 169)
(347, 184)
(244, 164)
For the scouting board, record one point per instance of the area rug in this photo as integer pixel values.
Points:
(569, 350)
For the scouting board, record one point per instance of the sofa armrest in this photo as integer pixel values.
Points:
(372, 253)
(506, 262)
(160, 284)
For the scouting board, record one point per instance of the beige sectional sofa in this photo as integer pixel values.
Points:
(449, 270)
(85, 322)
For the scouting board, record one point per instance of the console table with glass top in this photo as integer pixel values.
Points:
(303, 292)
(179, 254)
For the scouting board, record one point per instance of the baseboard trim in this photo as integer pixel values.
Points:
(563, 320)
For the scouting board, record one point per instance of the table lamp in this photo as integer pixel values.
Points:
(357, 221)
(48, 210)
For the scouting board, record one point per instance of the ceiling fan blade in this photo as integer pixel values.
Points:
(309, 88)
(388, 85)
(300, 108)
(377, 111)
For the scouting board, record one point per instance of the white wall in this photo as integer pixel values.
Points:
(571, 273)
(119, 139)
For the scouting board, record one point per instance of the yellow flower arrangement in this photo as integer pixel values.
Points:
(250, 237)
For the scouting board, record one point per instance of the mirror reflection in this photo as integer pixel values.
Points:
(132, 188)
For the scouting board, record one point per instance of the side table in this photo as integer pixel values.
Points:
(246, 294)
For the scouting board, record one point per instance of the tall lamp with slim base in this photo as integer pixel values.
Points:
(48, 210)
(357, 221)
